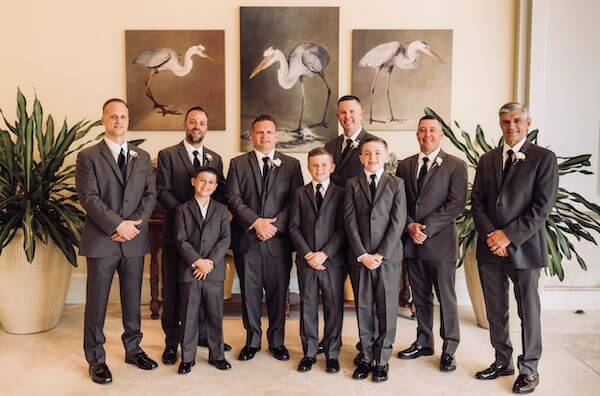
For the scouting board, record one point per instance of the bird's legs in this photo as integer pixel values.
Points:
(392, 118)
(371, 119)
(164, 110)
(323, 123)
(297, 130)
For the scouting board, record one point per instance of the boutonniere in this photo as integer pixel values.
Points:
(276, 162)
(518, 156)
(208, 157)
(355, 144)
(439, 161)
(132, 155)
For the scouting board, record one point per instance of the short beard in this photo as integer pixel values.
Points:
(191, 139)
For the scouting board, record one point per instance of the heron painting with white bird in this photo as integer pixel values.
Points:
(421, 73)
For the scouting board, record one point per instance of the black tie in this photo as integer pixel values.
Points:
(373, 186)
(319, 197)
(507, 164)
(122, 163)
(347, 148)
(422, 173)
(265, 170)
(196, 159)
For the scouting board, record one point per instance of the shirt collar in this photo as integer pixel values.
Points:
(354, 135)
(190, 149)
(324, 184)
(200, 204)
(432, 156)
(516, 148)
(260, 156)
(377, 175)
(115, 148)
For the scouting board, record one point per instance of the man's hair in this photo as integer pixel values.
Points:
(347, 98)
(264, 117)
(206, 169)
(511, 106)
(429, 117)
(373, 139)
(319, 151)
(111, 100)
(195, 108)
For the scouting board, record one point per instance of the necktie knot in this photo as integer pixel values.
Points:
(425, 160)
(319, 187)
(510, 153)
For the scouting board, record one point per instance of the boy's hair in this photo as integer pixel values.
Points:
(319, 151)
(207, 169)
(373, 139)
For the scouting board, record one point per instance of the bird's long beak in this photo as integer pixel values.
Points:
(431, 53)
(208, 55)
(261, 66)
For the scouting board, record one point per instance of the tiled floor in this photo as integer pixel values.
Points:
(52, 363)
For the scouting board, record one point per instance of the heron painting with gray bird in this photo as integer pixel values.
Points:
(387, 56)
(305, 60)
(163, 59)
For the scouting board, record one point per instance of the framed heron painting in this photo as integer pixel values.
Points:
(289, 69)
(169, 71)
(397, 73)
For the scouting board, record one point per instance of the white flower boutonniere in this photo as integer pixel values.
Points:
(208, 157)
(439, 161)
(276, 162)
(518, 156)
(132, 155)
(355, 144)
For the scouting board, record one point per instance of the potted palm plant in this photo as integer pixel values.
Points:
(570, 217)
(40, 220)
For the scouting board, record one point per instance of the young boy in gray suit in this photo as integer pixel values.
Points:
(202, 235)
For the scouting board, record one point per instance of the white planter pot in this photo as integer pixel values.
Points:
(32, 295)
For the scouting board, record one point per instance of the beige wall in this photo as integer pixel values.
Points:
(72, 54)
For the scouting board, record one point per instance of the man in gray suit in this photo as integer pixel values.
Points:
(436, 193)
(176, 167)
(513, 193)
(260, 185)
(115, 185)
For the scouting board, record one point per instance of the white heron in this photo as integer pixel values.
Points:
(162, 59)
(305, 60)
(390, 55)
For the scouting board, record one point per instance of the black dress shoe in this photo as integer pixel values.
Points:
(358, 346)
(332, 366)
(280, 353)
(414, 352)
(220, 364)
(247, 353)
(380, 373)
(526, 383)
(141, 360)
(362, 371)
(226, 347)
(494, 371)
(306, 364)
(359, 358)
(321, 348)
(169, 355)
(100, 374)
(204, 344)
(185, 368)
(447, 362)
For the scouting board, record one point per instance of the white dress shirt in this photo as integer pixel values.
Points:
(324, 186)
(115, 149)
(190, 151)
(260, 156)
(353, 137)
(377, 174)
(432, 156)
(516, 148)
(203, 207)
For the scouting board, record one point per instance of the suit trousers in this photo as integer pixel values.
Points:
(171, 303)
(206, 296)
(100, 272)
(330, 283)
(258, 269)
(378, 291)
(425, 275)
(494, 280)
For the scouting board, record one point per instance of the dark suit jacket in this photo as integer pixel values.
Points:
(108, 200)
(248, 202)
(442, 199)
(208, 239)
(519, 206)
(351, 165)
(313, 231)
(375, 227)
(173, 182)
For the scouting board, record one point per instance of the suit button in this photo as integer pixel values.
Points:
(204, 240)
(372, 217)
(126, 200)
(499, 204)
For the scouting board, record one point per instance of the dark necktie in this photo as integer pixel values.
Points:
(196, 159)
(122, 161)
(265, 170)
(507, 164)
(319, 196)
(373, 186)
(347, 148)
(422, 173)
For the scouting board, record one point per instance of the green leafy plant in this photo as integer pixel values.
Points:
(570, 215)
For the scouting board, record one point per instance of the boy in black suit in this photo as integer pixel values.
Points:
(202, 235)
(316, 230)
(374, 216)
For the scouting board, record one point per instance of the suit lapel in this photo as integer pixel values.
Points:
(183, 155)
(273, 172)
(413, 166)
(337, 156)
(362, 180)
(105, 151)
(311, 196)
(255, 171)
(328, 194)
(382, 183)
(131, 161)
(210, 211)
(514, 169)
(432, 170)
(358, 138)
(195, 209)
(497, 159)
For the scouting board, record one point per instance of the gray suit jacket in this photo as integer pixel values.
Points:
(375, 227)
(442, 199)
(351, 165)
(519, 206)
(314, 231)
(173, 182)
(108, 200)
(208, 239)
(248, 201)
